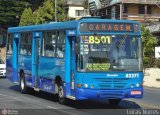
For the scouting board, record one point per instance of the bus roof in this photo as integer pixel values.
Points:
(63, 25)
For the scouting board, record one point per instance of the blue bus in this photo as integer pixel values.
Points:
(90, 58)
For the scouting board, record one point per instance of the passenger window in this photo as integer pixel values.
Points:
(10, 44)
(49, 44)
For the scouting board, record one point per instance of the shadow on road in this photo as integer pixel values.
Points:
(15, 88)
(85, 104)
(91, 104)
(31, 92)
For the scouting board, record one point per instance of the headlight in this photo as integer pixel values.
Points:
(85, 85)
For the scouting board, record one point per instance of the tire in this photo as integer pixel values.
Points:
(61, 98)
(23, 87)
(114, 102)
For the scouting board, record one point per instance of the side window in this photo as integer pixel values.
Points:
(49, 44)
(25, 41)
(10, 44)
(61, 44)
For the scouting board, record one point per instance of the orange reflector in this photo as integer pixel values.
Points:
(79, 85)
(136, 92)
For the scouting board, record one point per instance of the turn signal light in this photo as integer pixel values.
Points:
(79, 85)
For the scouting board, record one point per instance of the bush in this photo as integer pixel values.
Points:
(149, 62)
(146, 61)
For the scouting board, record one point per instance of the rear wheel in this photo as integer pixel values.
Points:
(114, 102)
(61, 97)
(23, 87)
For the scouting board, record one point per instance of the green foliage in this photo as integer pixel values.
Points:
(27, 17)
(35, 4)
(62, 11)
(46, 13)
(10, 11)
(148, 43)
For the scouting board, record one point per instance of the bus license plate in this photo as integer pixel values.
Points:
(136, 92)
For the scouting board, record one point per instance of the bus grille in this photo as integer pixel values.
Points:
(111, 83)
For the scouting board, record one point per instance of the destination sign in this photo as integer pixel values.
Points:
(105, 27)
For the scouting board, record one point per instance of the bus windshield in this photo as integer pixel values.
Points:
(109, 53)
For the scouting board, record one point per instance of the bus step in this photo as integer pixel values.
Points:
(36, 89)
(71, 97)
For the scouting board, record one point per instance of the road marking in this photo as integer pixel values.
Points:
(51, 107)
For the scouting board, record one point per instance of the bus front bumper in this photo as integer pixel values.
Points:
(82, 93)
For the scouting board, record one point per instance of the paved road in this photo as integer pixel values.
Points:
(151, 98)
(42, 103)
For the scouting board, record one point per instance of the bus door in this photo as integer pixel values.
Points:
(73, 64)
(70, 63)
(35, 57)
(15, 57)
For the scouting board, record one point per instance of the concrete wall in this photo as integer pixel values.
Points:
(72, 11)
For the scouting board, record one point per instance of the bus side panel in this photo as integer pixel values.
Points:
(49, 68)
(15, 57)
(9, 67)
(25, 64)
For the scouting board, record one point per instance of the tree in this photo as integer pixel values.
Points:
(10, 11)
(148, 42)
(35, 4)
(46, 13)
(85, 6)
(62, 11)
(27, 17)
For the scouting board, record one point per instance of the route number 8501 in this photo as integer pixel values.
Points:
(99, 39)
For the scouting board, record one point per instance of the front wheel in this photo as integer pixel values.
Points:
(114, 102)
(61, 98)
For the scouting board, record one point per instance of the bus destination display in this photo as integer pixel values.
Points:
(104, 27)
